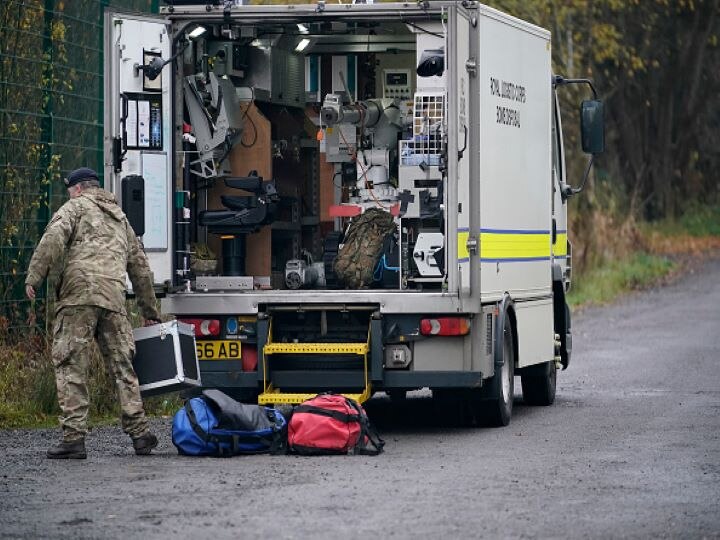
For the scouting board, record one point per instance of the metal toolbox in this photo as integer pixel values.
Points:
(165, 358)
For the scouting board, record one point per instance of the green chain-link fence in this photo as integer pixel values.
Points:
(51, 112)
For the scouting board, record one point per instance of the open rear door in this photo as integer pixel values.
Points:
(461, 83)
(137, 128)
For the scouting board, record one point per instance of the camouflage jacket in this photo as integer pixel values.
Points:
(91, 234)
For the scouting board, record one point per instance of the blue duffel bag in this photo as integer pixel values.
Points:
(214, 424)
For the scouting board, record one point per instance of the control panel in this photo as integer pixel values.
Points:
(397, 84)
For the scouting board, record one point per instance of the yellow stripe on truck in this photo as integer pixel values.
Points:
(560, 245)
(504, 245)
(463, 253)
(513, 245)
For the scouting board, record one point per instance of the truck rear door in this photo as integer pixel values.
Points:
(462, 82)
(137, 127)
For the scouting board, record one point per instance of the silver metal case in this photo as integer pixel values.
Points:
(165, 358)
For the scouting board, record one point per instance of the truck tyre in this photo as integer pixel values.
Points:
(496, 412)
(538, 384)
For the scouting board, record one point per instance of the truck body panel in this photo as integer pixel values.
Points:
(515, 181)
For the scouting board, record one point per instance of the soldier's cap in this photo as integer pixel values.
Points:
(79, 175)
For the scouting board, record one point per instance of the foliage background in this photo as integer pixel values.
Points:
(51, 110)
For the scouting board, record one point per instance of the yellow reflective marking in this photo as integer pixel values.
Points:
(274, 396)
(316, 348)
(496, 246)
(560, 245)
(463, 252)
(513, 245)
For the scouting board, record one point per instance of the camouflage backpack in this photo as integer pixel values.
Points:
(357, 259)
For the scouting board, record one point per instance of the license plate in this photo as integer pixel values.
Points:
(218, 350)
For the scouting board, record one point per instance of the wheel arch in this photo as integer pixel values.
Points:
(562, 321)
(506, 309)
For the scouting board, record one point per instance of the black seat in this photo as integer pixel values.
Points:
(248, 183)
(237, 203)
(243, 214)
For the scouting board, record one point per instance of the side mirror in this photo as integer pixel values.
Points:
(592, 126)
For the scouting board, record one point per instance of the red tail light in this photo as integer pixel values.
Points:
(204, 327)
(445, 326)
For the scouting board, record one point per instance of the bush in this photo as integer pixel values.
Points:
(27, 382)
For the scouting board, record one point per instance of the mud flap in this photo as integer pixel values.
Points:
(562, 321)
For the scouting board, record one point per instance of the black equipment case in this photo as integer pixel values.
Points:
(165, 358)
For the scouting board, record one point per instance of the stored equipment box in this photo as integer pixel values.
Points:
(165, 358)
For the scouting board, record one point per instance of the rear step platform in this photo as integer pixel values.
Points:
(273, 395)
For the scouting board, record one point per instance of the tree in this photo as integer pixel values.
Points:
(662, 80)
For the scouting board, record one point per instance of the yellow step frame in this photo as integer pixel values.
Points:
(272, 395)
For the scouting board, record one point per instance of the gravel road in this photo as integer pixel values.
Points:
(630, 449)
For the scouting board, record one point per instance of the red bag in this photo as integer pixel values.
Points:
(332, 424)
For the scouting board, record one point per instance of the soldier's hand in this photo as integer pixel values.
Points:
(150, 322)
(30, 292)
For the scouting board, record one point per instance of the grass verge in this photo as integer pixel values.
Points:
(664, 248)
(27, 389)
(609, 281)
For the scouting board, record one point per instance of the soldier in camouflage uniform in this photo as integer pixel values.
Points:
(92, 237)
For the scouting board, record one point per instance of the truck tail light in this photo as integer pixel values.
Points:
(204, 327)
(445, 326)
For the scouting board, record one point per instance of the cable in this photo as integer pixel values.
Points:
(245, 145)
(245, 116)
(353, 156)
(252, 100)
(422, 29)
(341, 186)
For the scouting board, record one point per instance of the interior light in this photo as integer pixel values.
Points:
(302, 45)
(199, 31)
(302, 28)
(262, 44)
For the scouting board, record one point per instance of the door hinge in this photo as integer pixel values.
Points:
(472, 245)
(471, 66)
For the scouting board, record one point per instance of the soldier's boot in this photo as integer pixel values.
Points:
(144, 444)
(68, 450)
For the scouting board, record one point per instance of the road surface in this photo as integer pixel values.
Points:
(630, 449)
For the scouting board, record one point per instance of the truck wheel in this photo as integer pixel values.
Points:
(538, 385)
(496, 412)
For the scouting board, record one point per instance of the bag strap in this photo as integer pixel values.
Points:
(207, 437)
(197, 428)
(337, 415)
(369, 442)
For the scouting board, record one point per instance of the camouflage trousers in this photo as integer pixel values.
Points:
(75, 330)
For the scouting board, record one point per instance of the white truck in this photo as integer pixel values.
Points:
(264, 131)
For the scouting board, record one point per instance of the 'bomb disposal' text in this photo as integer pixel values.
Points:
(510, 91)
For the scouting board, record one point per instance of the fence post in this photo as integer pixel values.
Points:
(48, 134)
